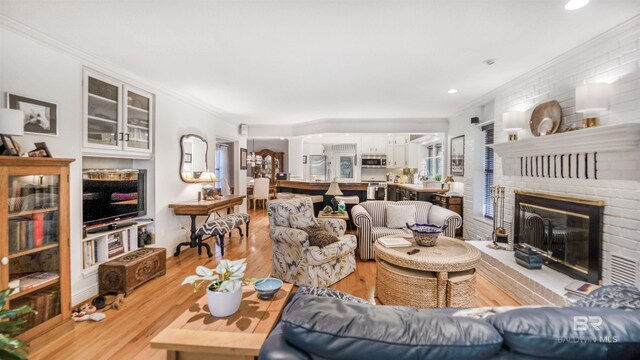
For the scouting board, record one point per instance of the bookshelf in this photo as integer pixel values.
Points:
(34, 242)
(104, 246)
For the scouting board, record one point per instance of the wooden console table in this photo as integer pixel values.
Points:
(198, 335)
(196, 208)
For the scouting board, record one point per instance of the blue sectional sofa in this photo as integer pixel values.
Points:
(321, 323)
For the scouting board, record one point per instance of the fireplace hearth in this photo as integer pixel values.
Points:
(566, 232)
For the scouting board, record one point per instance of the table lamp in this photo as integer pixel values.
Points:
(11, 124)
(512, 122)
(449, 180)
(334, 190)
(208, 190)
(591, 99)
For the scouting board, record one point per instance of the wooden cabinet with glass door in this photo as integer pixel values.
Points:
(34, 241)
(268, 163)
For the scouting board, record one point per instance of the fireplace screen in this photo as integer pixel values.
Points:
(561, 235)
(566, 232)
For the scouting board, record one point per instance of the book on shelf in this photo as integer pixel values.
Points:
(391, 242)
(36, 279)
(580, 288)
(116, 251)
(15, 285)
(45, 302)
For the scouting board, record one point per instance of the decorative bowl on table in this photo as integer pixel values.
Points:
(267, 287)
(426, 234)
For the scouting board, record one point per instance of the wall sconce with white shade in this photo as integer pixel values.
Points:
(512, 122)
(591, 99)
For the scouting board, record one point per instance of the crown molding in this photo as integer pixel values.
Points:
(351, 125)
(107, 68)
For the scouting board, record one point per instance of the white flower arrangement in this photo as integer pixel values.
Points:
(226, 277)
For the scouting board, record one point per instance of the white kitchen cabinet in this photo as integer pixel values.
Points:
(118, 118)
(374, 144)
(397, 151)
(415, 154)
(400, 155)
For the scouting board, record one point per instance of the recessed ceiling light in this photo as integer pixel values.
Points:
(348, 134)
(281, 138)
(452, 91)
(575, 4)
(308, 136)
(320, 135)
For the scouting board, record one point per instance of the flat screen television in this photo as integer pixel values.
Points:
(109, 196)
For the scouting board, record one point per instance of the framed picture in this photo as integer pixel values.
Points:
(8, 146)
(40, 117)
(304, 159)
(41, 150)
(187, 158)
(456, 167)
(243, 159)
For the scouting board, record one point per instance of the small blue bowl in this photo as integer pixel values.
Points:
(267, 287)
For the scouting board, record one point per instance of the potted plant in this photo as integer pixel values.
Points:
(224, 285)
(11, 348)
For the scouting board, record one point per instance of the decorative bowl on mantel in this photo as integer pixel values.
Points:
(426, 234)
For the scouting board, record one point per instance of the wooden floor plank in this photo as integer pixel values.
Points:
(125, 334)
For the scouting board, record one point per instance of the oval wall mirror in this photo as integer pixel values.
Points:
(193, 160)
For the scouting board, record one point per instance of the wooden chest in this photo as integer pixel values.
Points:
(132, 270)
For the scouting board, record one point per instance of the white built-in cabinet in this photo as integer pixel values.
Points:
(374, 144)
(397, 151)
(118, 118)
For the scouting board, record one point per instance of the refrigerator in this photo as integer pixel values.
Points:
(318, 167)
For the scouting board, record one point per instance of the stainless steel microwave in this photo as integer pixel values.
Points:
(374, 161)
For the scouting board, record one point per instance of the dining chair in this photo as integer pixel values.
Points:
(260, 191)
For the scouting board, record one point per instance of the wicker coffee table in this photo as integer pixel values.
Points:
(438, 276)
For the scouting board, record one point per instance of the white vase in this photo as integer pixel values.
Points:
(223, 304)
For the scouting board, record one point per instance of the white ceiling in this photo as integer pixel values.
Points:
(295, 61)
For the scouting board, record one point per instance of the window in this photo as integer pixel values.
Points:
(434, 160)
(487, 130)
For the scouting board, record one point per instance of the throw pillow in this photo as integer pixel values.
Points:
(328, 293)
(318, 237)
(399, 215)
(613, 297)
(301, 221)
(330, 328)
(562, 333)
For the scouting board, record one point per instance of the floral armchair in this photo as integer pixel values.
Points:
(295, 260)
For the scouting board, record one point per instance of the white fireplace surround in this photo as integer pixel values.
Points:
(610, 152)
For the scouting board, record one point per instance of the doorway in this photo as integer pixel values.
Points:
(224, 166)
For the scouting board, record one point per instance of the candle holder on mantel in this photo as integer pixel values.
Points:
(499, 232)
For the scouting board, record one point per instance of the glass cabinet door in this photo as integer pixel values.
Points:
(33, 241)
(138, 113)
(103, 111)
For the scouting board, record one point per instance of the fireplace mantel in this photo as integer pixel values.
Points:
(607, 138)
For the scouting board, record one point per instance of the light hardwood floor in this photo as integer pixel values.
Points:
(125, 334)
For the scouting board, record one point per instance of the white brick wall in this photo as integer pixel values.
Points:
(613, 57)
